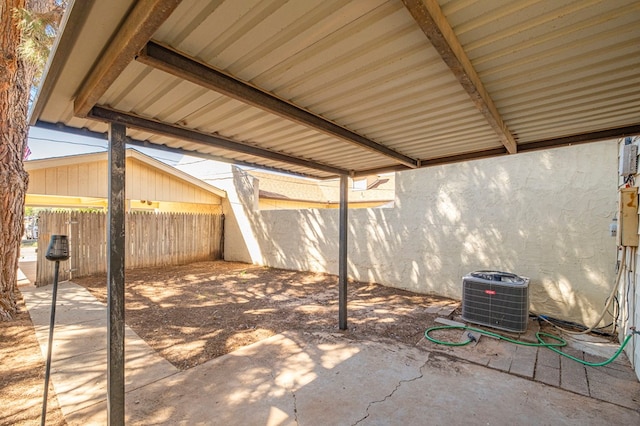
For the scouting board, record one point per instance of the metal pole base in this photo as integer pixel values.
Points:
(51, 324)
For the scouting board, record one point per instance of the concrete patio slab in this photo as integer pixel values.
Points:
(92, 334)
(294, 379)
(457, 393)
(79, 353)
(326, 379)
(81, 381)
(74, 304)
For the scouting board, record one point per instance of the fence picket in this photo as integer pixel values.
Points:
(152, 240)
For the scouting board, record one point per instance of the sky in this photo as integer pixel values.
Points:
(45, 143)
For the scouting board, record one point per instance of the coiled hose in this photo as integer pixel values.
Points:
(559, 342)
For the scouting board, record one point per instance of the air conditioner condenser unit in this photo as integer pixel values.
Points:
(496, 299)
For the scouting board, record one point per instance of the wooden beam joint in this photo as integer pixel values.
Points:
(141, 23)
(434, 25)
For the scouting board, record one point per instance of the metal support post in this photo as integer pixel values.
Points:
(342, 262)
(115, 275)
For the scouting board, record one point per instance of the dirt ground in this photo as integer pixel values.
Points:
(22, 369)
(193, 313)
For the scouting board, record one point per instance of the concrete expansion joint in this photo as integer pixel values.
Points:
(586, 378)
(295, 407)
(397, 386)
(454, 358)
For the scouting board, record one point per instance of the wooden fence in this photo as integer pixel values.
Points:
(151, 240)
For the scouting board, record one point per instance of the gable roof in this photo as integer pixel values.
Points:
(48, 163)
(293, 188)
(326, 88)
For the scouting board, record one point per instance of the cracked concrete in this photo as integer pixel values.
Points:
(326, 379)
(294, 379)
(392, 392)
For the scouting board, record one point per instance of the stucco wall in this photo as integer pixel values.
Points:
(543, 214)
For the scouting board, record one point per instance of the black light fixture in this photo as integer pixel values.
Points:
(58, 251)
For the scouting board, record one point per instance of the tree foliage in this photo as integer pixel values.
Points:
(38, 24)
(36, 37)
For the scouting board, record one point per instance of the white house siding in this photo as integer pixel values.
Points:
(633, 319)
(543, 214)
(628, 292)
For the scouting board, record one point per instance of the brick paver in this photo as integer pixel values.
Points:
(615, 383)
(573, 376)
(524, 361)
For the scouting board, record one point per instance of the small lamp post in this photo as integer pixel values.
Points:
(58, 251)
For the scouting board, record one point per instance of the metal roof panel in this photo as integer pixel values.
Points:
(553, 68)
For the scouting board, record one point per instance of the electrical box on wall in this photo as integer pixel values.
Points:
(628, 223)
(629, 160)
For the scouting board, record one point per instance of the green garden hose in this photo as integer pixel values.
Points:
(559, 342)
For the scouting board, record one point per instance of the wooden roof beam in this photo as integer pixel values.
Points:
(138, 28)
(187, 68)
(160, 128)
(434, 24)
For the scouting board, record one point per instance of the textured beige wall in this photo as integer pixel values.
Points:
(276, 204)
(542, 214)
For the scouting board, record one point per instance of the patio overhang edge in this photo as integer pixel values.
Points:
(60, 127)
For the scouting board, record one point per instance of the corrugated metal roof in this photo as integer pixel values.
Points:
(552, 68)
(555, 68)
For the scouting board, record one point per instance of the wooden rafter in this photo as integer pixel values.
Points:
(184, 67)
(141, 23)
(434, 24)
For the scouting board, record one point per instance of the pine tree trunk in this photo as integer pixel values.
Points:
(14, 98)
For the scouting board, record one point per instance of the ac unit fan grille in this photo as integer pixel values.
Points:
(503, 306)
